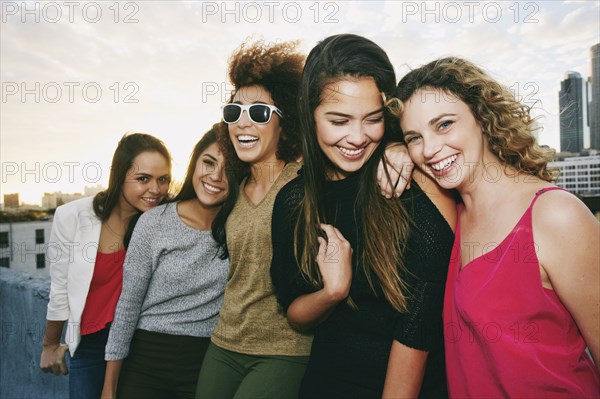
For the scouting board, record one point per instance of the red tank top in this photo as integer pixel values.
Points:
(105, 289)
(505, 334)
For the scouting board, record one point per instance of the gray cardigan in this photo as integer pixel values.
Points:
(173, 281)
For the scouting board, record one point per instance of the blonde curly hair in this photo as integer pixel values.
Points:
(506, 122)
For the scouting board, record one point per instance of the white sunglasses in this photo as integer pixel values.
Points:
(258, 113)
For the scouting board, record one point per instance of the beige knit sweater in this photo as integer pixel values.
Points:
(251, 321)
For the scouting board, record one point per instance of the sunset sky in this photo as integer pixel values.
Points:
(77, 75)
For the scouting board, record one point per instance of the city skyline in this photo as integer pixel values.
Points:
(77, 75)
(573, 107)
(49, 199)
(595, 97)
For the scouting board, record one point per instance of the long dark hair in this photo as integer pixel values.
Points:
(130, 146)
(386, 222)
(187, 188)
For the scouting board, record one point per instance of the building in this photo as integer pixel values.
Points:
(54, 200)
(580, 175)
(573, 108)
(595, 97)
(11, 200)
(90, 191)
(23, 246)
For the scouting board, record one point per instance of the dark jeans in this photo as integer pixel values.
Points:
(87, 366)
(161, 366)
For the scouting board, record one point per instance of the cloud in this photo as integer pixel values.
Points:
(174, 57)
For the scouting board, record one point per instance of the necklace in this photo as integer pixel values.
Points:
(114, 232)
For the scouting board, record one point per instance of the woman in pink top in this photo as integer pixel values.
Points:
(522, 300)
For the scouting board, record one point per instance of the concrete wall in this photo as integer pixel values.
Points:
(23, 301)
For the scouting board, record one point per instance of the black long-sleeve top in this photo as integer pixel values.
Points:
(351, 348)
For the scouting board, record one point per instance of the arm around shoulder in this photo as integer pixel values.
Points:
(440, 197)
(394, 170)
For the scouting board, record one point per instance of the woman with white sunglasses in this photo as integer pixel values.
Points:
(254, 352)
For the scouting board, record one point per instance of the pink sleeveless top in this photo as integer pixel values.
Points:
(505, 334)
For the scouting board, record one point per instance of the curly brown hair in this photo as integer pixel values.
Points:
(278, 68)
(506, 122)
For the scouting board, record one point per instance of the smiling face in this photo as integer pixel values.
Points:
(444, 139)
(146, 183)
(210, 180)
(255, 143)
(349, 123)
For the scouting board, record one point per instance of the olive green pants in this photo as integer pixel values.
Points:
(231, 375)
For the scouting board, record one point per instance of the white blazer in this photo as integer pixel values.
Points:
(71, 254)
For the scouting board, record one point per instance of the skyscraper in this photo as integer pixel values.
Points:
(595, 103)
(572, 101)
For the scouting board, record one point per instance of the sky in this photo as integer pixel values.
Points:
(77, 75)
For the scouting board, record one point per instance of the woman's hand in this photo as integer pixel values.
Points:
(399, 167)
(53, 359)
(335, 263)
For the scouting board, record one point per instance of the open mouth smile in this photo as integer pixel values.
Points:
(247, 140)
(152, 201)
(443, 164)
(212, 189)
(351, 153)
